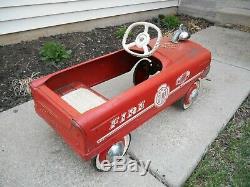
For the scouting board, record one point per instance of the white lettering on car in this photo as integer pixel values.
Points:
(127, 115)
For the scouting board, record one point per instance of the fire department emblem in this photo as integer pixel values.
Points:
(161, 95)
(181, 79)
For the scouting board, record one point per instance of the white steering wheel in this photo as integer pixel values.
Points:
(142, 40)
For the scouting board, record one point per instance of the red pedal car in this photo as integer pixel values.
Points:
(99, 128)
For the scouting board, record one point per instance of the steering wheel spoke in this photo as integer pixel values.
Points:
(142, 40)
(145, 49)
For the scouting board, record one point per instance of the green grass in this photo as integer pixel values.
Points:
(227, 162)
(119, 33)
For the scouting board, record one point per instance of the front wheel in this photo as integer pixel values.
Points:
(191, 95)
(118, 149)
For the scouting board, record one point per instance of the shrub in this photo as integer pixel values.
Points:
(119, 33)
(54, 52)
(171, 22)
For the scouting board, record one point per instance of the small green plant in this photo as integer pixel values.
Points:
(119, 33)
(54, 52)
(170, 22)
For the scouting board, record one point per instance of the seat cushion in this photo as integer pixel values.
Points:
(83, 99)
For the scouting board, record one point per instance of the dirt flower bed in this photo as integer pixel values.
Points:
(236, 27)
(20, 63)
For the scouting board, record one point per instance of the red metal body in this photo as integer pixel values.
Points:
(97, 129)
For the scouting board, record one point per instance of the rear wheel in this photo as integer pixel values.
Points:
(191, 95)
(118, 149)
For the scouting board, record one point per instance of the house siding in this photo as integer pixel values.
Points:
(23, 15)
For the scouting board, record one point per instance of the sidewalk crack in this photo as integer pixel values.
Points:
(240, 67)
(154, 173)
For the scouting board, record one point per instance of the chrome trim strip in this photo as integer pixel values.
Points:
(125, 123)
(145, 110)
(189, 80)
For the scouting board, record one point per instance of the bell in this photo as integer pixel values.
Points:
(180, 34)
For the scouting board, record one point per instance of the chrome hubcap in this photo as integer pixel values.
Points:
(116, 150)
(193, 96)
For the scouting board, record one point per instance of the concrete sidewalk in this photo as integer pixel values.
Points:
(31, 154)
(223, 11)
